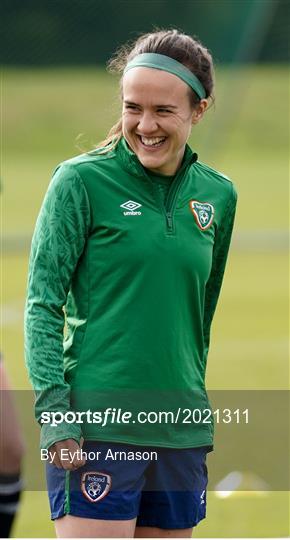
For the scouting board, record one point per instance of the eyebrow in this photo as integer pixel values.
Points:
(157, 106)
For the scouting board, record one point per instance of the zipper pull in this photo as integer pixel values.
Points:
(169, 219)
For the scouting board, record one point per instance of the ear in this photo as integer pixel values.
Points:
(199, 111)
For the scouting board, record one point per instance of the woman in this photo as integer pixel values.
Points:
(132, 239)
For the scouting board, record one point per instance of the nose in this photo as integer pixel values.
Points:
(147, 123)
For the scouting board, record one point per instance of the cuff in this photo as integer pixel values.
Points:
(52, 434)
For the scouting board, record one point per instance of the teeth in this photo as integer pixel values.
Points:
(152, 141)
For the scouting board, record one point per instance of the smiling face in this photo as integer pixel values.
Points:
(157, 117)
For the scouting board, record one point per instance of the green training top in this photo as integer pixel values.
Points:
(137, 282)
(163, 182)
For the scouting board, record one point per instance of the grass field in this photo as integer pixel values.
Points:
(47, 114)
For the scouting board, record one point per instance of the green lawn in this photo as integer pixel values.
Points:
(242, 516)
(245, 136)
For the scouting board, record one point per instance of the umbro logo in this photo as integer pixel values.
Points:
(131, 207)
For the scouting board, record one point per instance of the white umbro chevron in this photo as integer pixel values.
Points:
(131, 207)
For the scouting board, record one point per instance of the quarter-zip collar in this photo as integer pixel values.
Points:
(131, 163)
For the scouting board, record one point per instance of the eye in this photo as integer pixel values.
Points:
(132, 107)
(163, 110)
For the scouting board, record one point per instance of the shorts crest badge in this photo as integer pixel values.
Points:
(203, 213)
(95, 485)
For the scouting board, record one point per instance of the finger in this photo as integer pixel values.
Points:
(56, 461)
(77, 466)
(69, 455)
(66, 465)
(78, 459)
(72, 459)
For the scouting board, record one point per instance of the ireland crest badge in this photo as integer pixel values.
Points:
(95, 485)
(203, 213)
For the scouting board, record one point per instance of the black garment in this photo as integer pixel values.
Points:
(10, 490)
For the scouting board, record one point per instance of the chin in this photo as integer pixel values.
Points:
(150, 163)
(153, 160)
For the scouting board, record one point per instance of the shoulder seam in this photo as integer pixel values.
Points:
(86, 158)
(214, 172)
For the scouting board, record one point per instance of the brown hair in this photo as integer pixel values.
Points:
(181, 47)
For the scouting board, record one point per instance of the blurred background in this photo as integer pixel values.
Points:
(58, 101)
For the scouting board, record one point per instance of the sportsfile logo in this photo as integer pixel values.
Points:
(131, 207)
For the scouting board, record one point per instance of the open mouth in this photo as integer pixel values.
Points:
(152, 142)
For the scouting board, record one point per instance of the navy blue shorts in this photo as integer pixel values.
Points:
(162, 487)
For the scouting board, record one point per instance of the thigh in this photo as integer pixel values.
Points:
(78, 527)
(155, 532)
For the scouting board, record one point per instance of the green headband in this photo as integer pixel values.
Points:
(165, 63)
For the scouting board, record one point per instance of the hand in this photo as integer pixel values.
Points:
(66, 454)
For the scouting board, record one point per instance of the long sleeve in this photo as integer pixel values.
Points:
(220, 254)
(59, 239)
